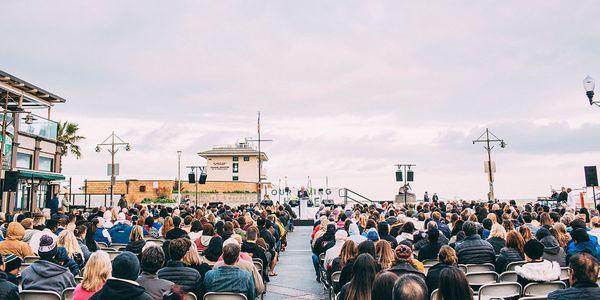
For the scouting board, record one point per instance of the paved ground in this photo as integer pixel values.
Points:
(296, 279)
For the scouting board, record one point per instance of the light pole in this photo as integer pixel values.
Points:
(113, 142)
(589, 85)
(485, 138)
(178, 176)
(202, 178)
(259, 183)
(409, 177)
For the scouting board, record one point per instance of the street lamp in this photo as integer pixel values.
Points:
(488, 164)
(588, 85)
(112, 142)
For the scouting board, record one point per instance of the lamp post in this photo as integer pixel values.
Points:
(485, 138)
(409, 177)
(194, 170)
(179, 176)
(112, 143)
(589, 85)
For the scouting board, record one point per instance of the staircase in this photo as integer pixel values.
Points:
(348, 194)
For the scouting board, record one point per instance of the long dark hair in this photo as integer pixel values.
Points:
(360, 286)
(454, 285)
(383, 286)
(89, 236)
(367, 247)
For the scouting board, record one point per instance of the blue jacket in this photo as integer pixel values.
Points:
(99, 237)
(230, 279)
(120, 233)
(589, 247)
(571, 245)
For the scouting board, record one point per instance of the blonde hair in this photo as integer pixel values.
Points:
(137, 233)
(498, 231)
(385, 254)
(562, 236)
(447, 255)
(493, 217)
(168, 225)
(68, 240)
(97, 270)
(192, 258)
(595, 222)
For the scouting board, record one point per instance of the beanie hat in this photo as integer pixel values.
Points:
(47, 247)
(126, 266)
(373, 235)
(403, 252)
(341, 235)
(12, 262)
(534, 249)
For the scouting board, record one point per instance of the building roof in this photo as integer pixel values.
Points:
(239, 149)
(32, 95)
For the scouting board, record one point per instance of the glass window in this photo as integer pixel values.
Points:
(45, 164)
(235, 167)
(235, 158)
(24, 160)
(235, 178)
(246, 158)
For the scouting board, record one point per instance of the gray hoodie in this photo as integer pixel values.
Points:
(553, 251)
(45, 275)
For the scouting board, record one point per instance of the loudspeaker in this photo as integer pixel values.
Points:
(192, 178)
(11, 181)
(410, 175)
(202, 179)
(399, 175)
(591, 176)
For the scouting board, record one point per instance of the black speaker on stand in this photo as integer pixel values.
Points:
(202, 179)
(192, 178)
(591, 179)
(11, 181)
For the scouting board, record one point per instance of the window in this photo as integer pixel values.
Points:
(235, 178)
(45, 164)
(235, 158)
(236, 168)
(23, 160)
(142, 188)
(246, 158)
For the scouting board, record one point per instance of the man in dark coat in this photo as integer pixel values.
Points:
(175, 271)
(8, 290)
(582, 278)
(474, 250)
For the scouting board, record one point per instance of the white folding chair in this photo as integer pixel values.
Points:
(112, 254)
(68, 294)
(78, 279)
(463, 268)
(511, 266)
(224, 296)
(499, 290)
(190, 296)
(564, 273)
(472, 268)
(478, 279)
(335, 280)
(534, 298)
(30, 259)
(158, 241)
(508, 276)
(434, 294)
(543, 288)
(38, 295)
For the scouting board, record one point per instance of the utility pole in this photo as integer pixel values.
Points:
(113, 142)
(487, 137)
(259, 140)
(178, 176)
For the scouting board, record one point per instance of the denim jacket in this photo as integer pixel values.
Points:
(230, 279)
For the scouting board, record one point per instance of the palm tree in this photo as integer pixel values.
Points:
(68, 139)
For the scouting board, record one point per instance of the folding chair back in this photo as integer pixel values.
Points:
(534, 298)
(68, 294)
(190, 296)
(511, 266)
(112, 254)
(472, 268)
(463, 268)
(30, 259)
(158, 241)
(78, 279)
(224, 296)
(478, 279)
(499, 290)
(543, 288)
(259, 266)
(508, 276)
(430, 262)
(434, 294)
(564, 273)
(38, 295)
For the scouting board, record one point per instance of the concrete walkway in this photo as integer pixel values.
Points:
(296, 279)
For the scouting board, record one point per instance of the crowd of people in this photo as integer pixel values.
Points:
(379, 250)
(161, 252)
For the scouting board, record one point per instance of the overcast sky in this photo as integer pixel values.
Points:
(346, 89)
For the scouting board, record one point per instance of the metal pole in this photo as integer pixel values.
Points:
(259, 163)
(279, 191)
(196, 175)
(179, 176)
(3, 143)
(594, 192)
(491, 175)
(405, 187)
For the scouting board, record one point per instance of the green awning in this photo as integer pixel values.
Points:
(40, 175)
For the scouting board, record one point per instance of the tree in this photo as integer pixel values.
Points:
(68, 139)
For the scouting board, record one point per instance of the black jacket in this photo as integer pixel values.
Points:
(257, 252)
(135, 247)
(115, 289)
(497, 243)
(579, 291)
(433, 275)
(188, 278)
(176, 233)
(429, 251)
(346, 275)
(405, 268)
(8, 290)
(507, 255)
(474, 250)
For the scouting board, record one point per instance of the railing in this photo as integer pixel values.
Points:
(348, 194)
(40, 127)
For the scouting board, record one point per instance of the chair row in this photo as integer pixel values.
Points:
(68, 295)
(504, 290)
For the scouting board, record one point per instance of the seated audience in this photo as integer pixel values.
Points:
(583, 275)
(176, 271)
(346, 258)
(431, 249)
(101, 234)
(47, 273)
(583, 244)
(136, 239)
(243, 264)
(8, 290)
(447, 259)
(97, 270)
(67, 240)
(404, 262)
(383, 286)
(122, 285)
(474, 250)
(228, 277)
(497, 238)
(552, 249)
(12, 264)
(410, 287)
(13, 243)
(513, 251)
(333, 252)
(120, 231)
(385, 254)
(152, 260)
(536, 269)
(361, 284)
(453, 285)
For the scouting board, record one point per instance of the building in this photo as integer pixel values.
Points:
(30, 145)
(233, 163)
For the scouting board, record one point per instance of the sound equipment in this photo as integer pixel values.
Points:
(399, 175)
(202, 179)
(192, 178)
(410, 175)
(591, 176)
(11, 181)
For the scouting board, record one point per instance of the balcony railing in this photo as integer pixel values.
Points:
(41, 127)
